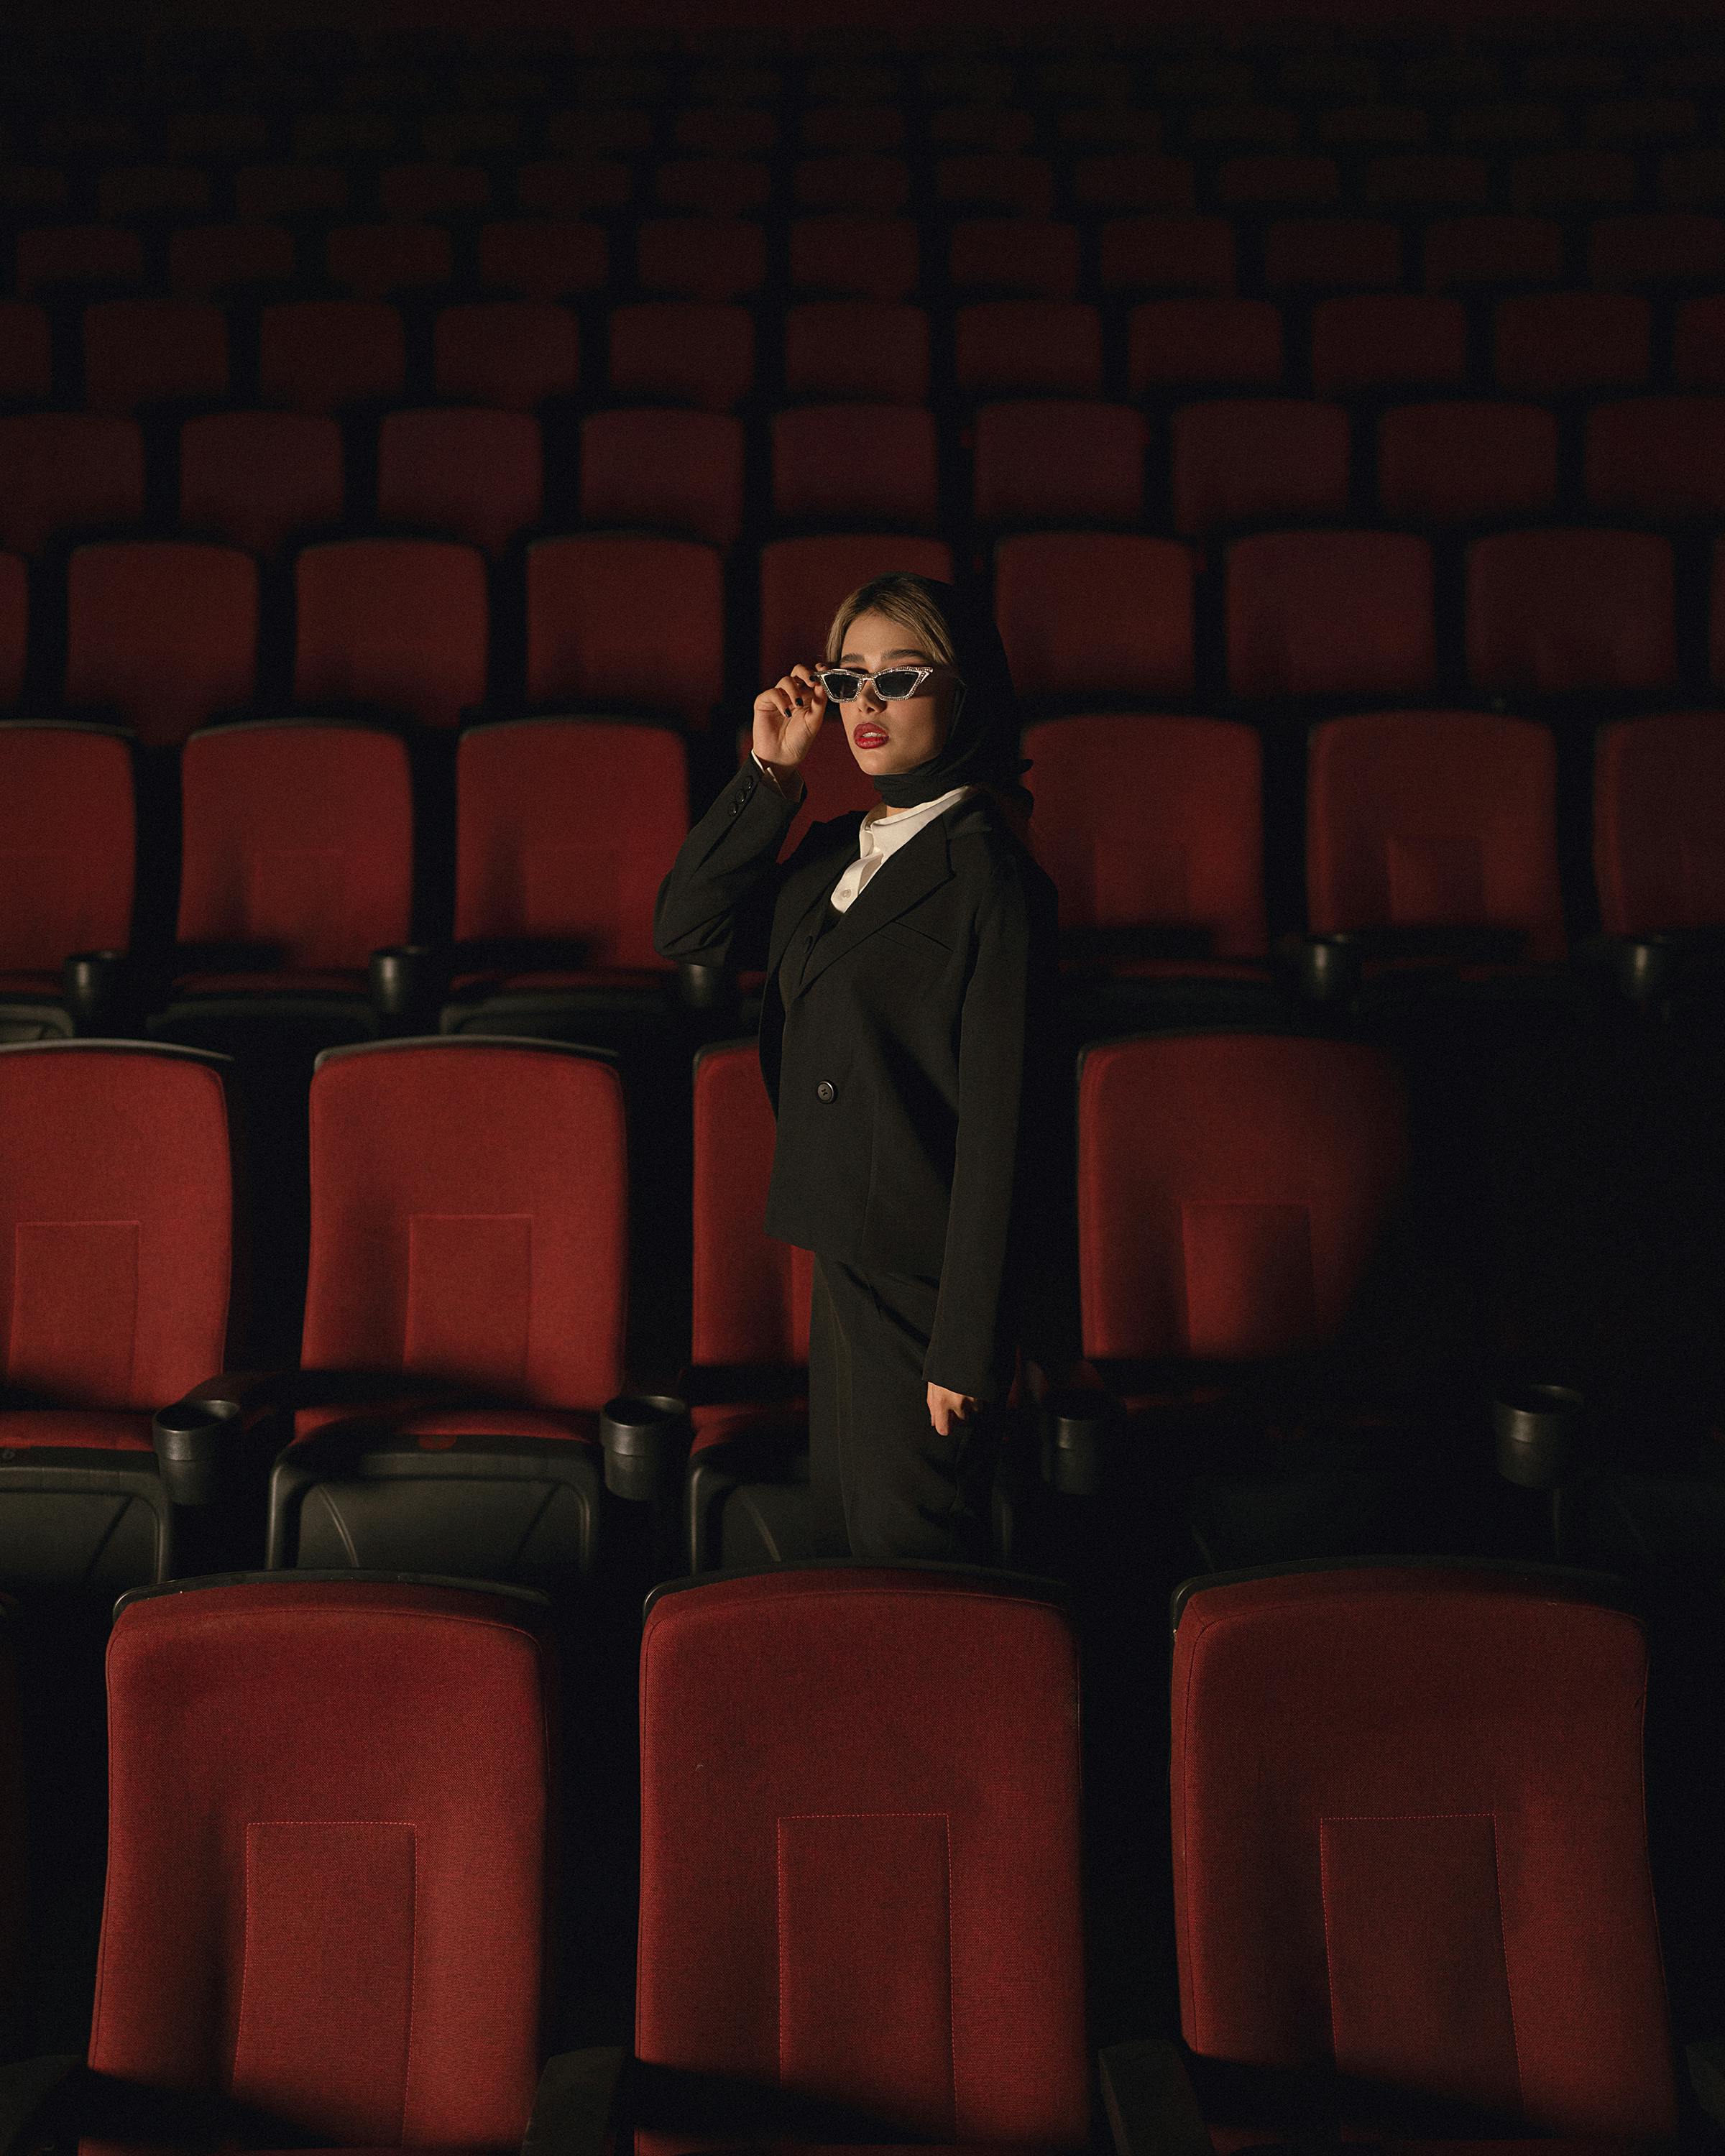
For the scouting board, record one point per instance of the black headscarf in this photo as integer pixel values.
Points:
(982, 743)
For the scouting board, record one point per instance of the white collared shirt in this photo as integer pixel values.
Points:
(884, 831)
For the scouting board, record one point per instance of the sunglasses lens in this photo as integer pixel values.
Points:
(897, 682)
(840, 685)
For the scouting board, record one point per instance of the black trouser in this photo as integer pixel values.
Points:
(875, 1457)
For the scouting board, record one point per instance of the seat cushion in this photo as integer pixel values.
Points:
(755, 1422)
(438, 1429)
(288, 981)
(95, 1430)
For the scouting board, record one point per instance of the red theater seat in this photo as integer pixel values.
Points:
(162, 633)
(863, 183)
(1043, 460)
(482, 1288)
(258, 479)
(262, 193)
(1698, 344)
(372, 1764)
(1433, 819)
(68, 849)
(684, 352)
(78, 255)
(433, 191)
(138, 352)
(1257, 460)
(803, 582)
(382, 261)
(26, 353)
(714, 187)
(1662, 457)
(1492, 250)
(1568, 180)
(1008, 347)
(318, 356)
(626, 623)
(510, 355)
(472, 474)
(1557, 613)
(1359, 252)
(855, 256)
(1168, 254)
(14, 628)
(1404, 1986)
(1002, 186)
(214, 261)
(1670, 247)
(672, 471)
(1329, 614)
(1392, 341)
(1659, 807)
(62, 472)
(1424, 181)
(846, 464)
(297, 856)
(542, 259)
(574, 186)
(1093, 615)
(850, 1780)
(394, 625)
(1035, 257)
(1203, 344)
(122, 1270)
(1547, 344)
(865, 348)
(1259, 182)
(1467, 462)
(1134, 182)
(700, 258)
(542, 875)
(128, 192)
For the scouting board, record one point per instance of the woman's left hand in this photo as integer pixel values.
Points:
(945, 1408)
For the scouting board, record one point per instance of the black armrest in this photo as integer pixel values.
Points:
(1149, 2097)
(1187, 942)
(578, 2107)
(1079, 1431)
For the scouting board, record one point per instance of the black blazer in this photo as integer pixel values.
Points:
(910, 1049)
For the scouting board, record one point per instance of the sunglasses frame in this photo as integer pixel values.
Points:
(919, 675)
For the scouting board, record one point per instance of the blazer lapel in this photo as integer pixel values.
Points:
(903, 878)
(809, 886)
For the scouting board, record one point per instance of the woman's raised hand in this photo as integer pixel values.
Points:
(788, 717)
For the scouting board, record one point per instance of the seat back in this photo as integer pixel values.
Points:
(116, 1221)
(626, 623)
(470, 1217)
(1093, 613)
(62, 470)
(1659, 815)
(862, 1784)
(329, 1809)
(163, 632)
(803, 582)
(68, 842)
(402, 625)
(1329, 614)
(1410, 1845)
(751, 1290)
(1556, 612)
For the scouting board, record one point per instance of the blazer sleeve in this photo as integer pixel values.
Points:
(714, 908)
(1005, 1173)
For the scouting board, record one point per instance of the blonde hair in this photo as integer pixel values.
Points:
(902, 599)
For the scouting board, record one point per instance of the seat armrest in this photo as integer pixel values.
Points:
(1149, 2100)
(578, 2107)
(1079, 1431)
(645, 1437)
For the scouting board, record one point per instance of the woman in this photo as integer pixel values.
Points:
(908, 1040)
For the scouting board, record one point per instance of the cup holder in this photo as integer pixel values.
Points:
(403, 979)
(1646, 966)
(1077, 1436)
(645, 1437)
(1330, 968)
(89, 986)
(1539, 1432)
(192, 1439)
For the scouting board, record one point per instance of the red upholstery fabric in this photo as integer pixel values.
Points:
(574, 187)
(319, 355)
(67, 844)
(501, 1266)
(855, 463)
(1659, 815)
(1698, 344)
(863, 181)
(79, 254)
(1558, 611)
(1667, 246)
(700, 258)
(1258, 182)
(802, 581)
(1455, 463)
(289, 190)
(379, 261)
(436, 190)
(1044, 459)
(1387, 340)
(1230, 1190)
(1256, 459)
(566, 828)
(1142, 819)
(127, 191)
(209, 261)
(864, 1783)
(672, 471)
(438, 1429)
(1048, 347)
(1169, 253)
(507, 355)
(163, 632)
(542, 259)
(716, 186)
(59, 471)
(1329, 614)
(26, 352)
(1492, 250)
(1033, 256)
(1434, 817)
(630, 622)
(475, 475)
(1360, 253)
(299, 837)
(1134, 180)
(862, 257)
(138, 352)
(1428, 182)
(1005, 184)
(873, 349)
(259, 479)
(751, 1290)
(683, 351)
(1409, 1841)
(328, 1814)
(1571, 179)
(1211, 343)
(398, 624)
(834, 780)
(1096, 614)
(1661, 458)
(14, 628)
(114, 1222)
(786, 1421)
(1545, 344)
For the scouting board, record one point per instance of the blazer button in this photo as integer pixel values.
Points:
(824, 1092)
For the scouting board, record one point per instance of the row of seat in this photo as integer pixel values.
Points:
(865, 1783)
(298, 848)
(163, 634)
